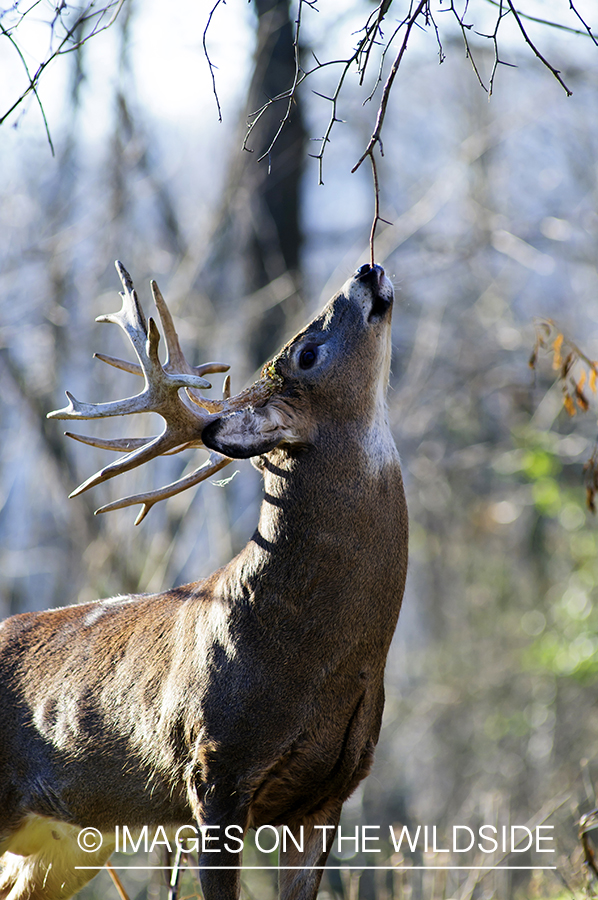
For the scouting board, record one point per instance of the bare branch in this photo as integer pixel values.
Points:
(530, 43)
(370, 30)
(468, 51)
(289, 95)
(370, 39)
(33, 86)
(550, 23)
(297, 78)
(376, 134)
(67, 44)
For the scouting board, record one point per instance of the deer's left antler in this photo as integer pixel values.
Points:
(172, 389)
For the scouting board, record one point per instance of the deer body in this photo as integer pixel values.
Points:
(253, 697)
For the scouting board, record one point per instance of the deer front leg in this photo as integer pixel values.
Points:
(223, 822)
(220, 863)
(318, 836)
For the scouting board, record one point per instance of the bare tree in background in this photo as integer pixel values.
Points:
(257, 238)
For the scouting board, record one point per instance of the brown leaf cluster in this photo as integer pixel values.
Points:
(577, 374)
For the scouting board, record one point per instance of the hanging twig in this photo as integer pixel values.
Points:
(464, 29)
(530, 43)
(377, 216)
(207, 56)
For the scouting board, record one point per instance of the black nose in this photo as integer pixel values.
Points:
(367, 272)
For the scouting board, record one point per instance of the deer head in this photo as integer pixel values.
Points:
(309, 386)
(317, 389)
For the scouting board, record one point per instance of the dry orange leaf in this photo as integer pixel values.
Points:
(556, 347)
(569, 405)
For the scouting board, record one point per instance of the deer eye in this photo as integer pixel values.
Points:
(308, 357)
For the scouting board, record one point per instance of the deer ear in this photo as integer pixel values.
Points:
(242, 434)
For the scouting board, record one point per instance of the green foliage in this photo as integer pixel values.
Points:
(564, 627)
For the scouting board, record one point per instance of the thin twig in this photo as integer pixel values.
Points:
(207, 56)
(288, 95)
(33, 87)
(333, 117)
(530, 43)
(379, 14)
(468, 52)
(383, 56)
(494, 38)
(377, 216)
(583, 22)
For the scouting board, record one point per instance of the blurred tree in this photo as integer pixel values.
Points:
(257, 236)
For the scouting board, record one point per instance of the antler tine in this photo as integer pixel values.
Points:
(149, 450)
(119, 444)
(127, 444)
(213, 464)
(130, 317)
(176, 362)
(135, 369)
(161, 388)
(175, 359)
(123, 364)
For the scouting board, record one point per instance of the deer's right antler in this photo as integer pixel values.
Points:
(172, 390)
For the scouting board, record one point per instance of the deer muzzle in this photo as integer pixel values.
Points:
(382, 290)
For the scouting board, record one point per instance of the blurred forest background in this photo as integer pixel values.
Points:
(492, 680)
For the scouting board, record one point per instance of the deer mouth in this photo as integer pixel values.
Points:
(381, 288)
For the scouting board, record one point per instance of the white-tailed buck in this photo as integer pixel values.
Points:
(255, 696)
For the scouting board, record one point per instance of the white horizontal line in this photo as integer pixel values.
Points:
(333, 868)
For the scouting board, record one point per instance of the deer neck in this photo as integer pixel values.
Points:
(327, 512)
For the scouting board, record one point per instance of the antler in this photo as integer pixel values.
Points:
(172, 390)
